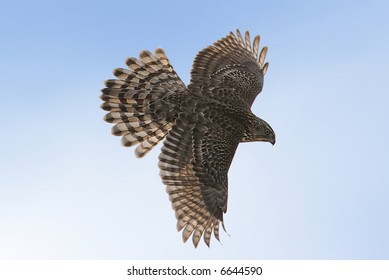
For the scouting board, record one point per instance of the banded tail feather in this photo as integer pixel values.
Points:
(135, 100)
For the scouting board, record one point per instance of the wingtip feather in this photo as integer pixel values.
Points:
(262, 56)
(240, 38)
(256, 42)
(265, 67)
(248, 41)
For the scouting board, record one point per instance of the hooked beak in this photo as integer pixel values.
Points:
(273, 141)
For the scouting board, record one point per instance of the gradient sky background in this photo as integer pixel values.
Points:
(68, 190)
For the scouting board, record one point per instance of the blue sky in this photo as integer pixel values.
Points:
(68, 190)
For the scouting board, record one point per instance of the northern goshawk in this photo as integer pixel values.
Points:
(202, 124)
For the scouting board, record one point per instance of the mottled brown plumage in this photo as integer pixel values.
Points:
(202, 124)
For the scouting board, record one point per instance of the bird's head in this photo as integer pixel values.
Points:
(259, 130)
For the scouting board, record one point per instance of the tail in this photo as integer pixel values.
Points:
(128, 99)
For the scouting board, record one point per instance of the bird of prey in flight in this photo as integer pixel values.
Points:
(201, 124)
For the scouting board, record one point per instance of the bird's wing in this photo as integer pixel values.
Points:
(194, 162)
(231, 70)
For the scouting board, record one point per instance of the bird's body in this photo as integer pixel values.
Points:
(202, 124)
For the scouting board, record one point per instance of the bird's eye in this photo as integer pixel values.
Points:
(267, 131)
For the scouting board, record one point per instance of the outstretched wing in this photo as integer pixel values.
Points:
(230, 70)
(194, 163)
